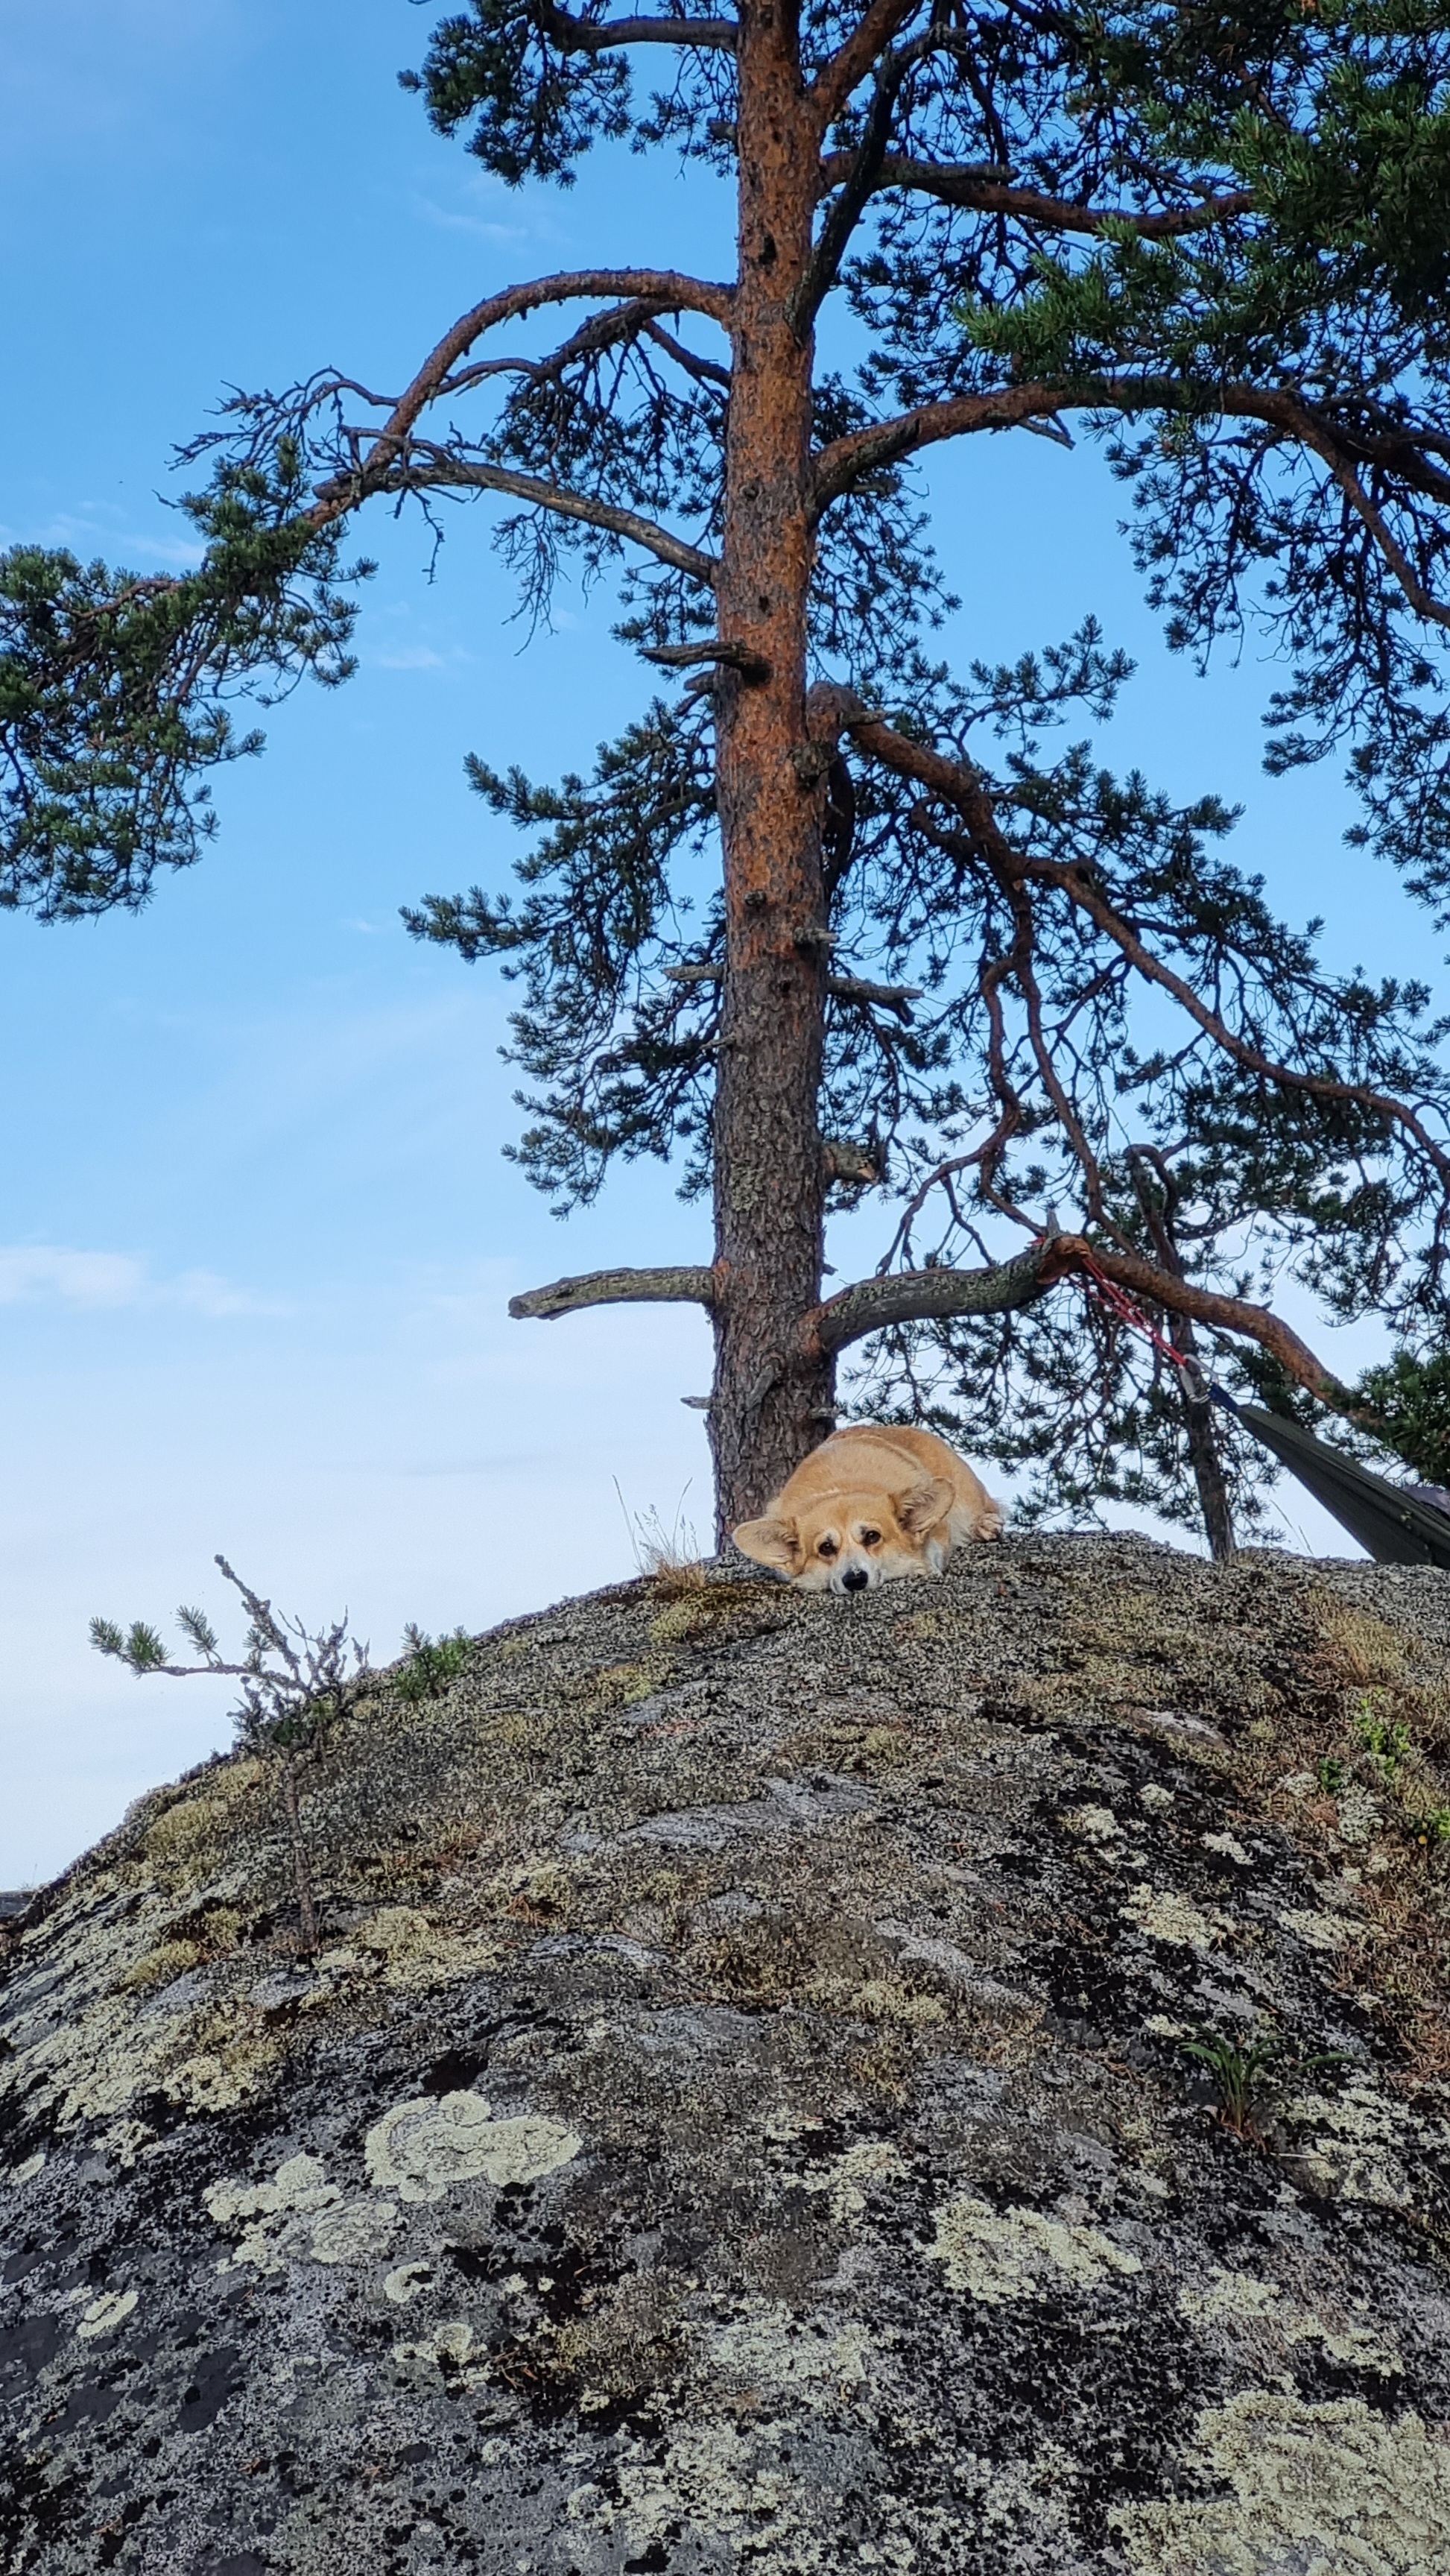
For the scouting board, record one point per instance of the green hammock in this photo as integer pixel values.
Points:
(1398, 1524)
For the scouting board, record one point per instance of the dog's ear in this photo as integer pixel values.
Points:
(770, 1543)
(923, 1505)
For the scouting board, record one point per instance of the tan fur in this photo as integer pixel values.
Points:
(869, 1506)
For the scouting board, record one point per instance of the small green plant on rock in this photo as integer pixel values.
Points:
(1250, 2077)
(433, 1663)
(1386, 1740)
(1330, 1774)
(294, 1685)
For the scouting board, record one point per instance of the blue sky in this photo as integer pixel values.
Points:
(256, 1237)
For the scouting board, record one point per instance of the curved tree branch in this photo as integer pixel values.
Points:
(667, 290)
(986, 189)
(842, 988)
(910, 1296)
(846, 461)
(862, 452)
(576, 36)
(859, 178)
(1150, 1279)
(863, 48)
(685, 1287)
(446, 472)
(917, 1296)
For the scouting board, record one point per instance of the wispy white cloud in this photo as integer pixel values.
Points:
(98, 530)
(77, 1278)
(39, 1273)
(207, 1293)
(449, 220)
(409, 657)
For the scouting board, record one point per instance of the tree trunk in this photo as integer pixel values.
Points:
(1204, 1454)
(1203, 1451)
(770, 1405)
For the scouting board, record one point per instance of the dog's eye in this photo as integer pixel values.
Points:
(827, 1547)
(870, 1538)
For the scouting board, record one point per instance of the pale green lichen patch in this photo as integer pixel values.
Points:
(106, 2313)
(161, 1966)
(1018, 2254)
(1330, 2490)
(870, 2165)
(711, 2480)
(451, 2350)
(361, 2231)
(1230, 1847)
(1243, 2300)
(414, 1953)
(1321, 1931)
(259, 2212)
(771, 2349)
(422, 2149)
(406, 2282)
(1354, 2142)
(1166, 1915)
(890, 1999)
(1231, 2297)
(1360, 1814)
(1097, 1824)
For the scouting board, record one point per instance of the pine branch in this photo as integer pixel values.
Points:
(862, 50)
(445, 471)
(685, 1286)
(963, 787)
(668, 290)
(983, 187)
(842, 988)
(601, 35)
(916, 1295)
(845, 462)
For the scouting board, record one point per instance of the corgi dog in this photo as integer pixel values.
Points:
(869, 1506)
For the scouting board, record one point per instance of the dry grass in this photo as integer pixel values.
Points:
(1369, 1729)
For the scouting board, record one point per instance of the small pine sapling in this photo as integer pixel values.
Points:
(294, 1685)
(433, 1662)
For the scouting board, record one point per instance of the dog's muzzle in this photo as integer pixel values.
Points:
(855, 1578)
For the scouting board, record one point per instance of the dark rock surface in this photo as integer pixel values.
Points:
(740, 2117)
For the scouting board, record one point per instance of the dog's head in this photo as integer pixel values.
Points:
(850, 1542)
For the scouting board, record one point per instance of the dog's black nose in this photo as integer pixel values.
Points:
(855, 1578)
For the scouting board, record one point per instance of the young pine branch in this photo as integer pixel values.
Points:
(294, 1684)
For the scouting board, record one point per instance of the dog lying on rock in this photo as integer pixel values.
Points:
(867, 1507)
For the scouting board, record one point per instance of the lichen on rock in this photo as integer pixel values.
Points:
(1332, 2490)
(1018, 2253)
(422, 2149)
(743, 2117)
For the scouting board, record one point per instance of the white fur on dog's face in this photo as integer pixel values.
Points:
(852, 1542)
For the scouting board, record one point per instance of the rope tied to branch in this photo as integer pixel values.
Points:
(1197, 1387)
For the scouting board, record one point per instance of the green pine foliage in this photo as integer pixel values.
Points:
(115, 691)
(1410, 1396)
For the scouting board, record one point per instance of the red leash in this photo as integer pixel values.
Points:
(1097, 1282)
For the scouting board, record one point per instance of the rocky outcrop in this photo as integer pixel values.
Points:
(741, 2117)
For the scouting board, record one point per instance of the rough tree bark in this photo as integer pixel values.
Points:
(1203, 1448)
(771, 1401)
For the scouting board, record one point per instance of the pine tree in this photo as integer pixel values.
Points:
(1215, 240)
